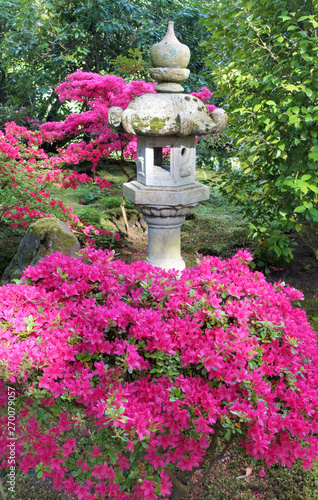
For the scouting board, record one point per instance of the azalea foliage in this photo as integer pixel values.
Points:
(126, 375)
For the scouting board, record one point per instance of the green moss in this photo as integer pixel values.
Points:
(157, 124)
(280, 483)
(138, 124)
(50, 226)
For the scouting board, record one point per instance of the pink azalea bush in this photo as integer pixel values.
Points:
(127, 376)
(94, 138)
(26, 174)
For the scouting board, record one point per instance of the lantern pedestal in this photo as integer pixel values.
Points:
(164, 210)
(164, 242)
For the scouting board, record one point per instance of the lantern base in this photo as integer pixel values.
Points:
(164, 210)
(164, 242)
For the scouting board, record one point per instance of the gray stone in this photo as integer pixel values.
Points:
(44, 237)
(155, 196)
(170, 52)
(169, 74)
(151, 168)
(165, 115)
(166, 192)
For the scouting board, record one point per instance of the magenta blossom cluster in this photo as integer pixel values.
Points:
(127, 375)
(99, 93)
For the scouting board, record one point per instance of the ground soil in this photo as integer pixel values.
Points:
(301, 272)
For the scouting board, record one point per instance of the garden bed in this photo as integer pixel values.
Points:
(214, 228)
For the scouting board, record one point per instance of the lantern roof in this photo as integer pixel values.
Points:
(169, 112)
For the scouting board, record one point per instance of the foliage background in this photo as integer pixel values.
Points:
(41, 42)
(264, 57)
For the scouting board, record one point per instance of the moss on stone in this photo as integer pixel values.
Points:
(138, 124)
(61, 236)
(157, 124)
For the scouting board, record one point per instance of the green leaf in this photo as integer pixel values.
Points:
(313, 187)
(291, 87)
(314, 212)
(294, 119)
(300, 209)
(310, 94)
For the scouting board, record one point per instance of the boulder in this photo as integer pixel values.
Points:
(45, 236)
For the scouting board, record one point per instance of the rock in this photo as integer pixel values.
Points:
(45, 236)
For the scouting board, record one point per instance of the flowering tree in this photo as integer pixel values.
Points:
(126, 376)
(98, 93)
(94, 138)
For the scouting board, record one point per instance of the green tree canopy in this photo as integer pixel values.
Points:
(45, 40)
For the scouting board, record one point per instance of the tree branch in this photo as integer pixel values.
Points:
(216, 459)
(263, 44)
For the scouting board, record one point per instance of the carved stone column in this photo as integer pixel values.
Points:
(164, 226)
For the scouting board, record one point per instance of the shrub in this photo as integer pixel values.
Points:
(266, 64)
(88, 194)
(112, 202)
(90, 215)
(125, 376)
(26, 174)
(92, 137)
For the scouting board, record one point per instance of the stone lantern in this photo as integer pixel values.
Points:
(165, 191)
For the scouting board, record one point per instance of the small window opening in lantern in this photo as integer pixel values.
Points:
(162, 158)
